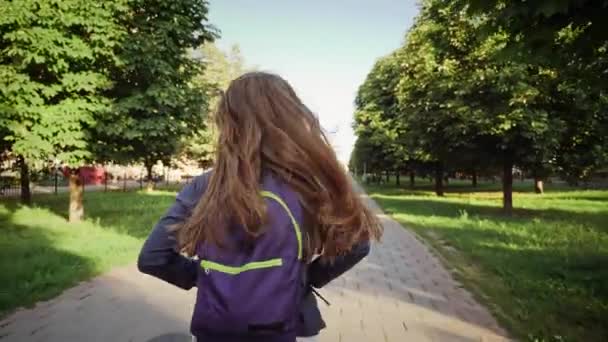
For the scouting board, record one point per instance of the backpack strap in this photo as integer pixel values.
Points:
(296, 226)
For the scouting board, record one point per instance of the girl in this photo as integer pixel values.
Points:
(276, 217)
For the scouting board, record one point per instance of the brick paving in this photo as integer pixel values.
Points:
(401, 292)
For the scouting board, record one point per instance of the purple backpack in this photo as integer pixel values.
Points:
(253, 289)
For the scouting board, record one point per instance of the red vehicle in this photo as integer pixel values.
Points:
(90, 175)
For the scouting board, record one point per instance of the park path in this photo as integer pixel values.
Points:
(399, 293)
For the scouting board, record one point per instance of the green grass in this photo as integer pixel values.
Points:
(41, 254)
(543, 271)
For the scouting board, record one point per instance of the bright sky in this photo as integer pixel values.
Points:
(324, 48)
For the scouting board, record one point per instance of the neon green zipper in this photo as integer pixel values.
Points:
(295, 224)
(210, 265)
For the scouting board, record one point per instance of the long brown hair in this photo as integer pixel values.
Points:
(263, 125)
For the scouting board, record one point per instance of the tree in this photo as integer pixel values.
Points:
(569, 38)
(583, 107)
(457, 100)
(537, 29)
(220, 69)
(377, 122)
(54, 63)
(4, 151)
(431, 65)
(361, 157)
(374, 149)
(200, 147)
(157, 101)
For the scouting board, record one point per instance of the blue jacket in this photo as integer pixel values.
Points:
(160, 258)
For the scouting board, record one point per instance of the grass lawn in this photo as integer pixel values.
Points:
(543, 271)
(41, 254)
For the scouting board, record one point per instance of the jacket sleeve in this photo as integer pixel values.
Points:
(321, 273)
(159, 256)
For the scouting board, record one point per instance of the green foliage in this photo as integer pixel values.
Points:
(5, 145)
(157, 101)
(431, 73)
(42, 254)
(452, 97)
(460, 99)
(380, 130)
(489, 85)
(220, 69)
(537, 29)
(54, 64)
(199, 147)
(569, 39)
(541, 271)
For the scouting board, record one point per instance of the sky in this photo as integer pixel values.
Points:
(324, 49)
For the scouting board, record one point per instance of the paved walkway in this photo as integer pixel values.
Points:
(399, 293)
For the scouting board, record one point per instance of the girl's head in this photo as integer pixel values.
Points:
(263, 125)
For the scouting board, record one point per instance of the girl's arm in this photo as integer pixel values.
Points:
(321, 273)
(159, 256)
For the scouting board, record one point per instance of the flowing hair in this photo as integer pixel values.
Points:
(263, 126)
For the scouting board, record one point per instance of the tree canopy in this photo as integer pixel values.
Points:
(449, 97)
(95, 81)
(220, 69)
(55, 62)
(54, 67)
(157, 101)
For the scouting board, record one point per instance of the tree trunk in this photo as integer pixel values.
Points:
(56, 174)
(439, 179)
(26, 194)
(474, 181)
(507, 186)
(149, 181)
(76, 194)
(388, 176)
(397, 180)
(412, 179)
(538, 185)
(446, 179)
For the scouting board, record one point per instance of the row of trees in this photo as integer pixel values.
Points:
(116, 80)
(486, 86)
